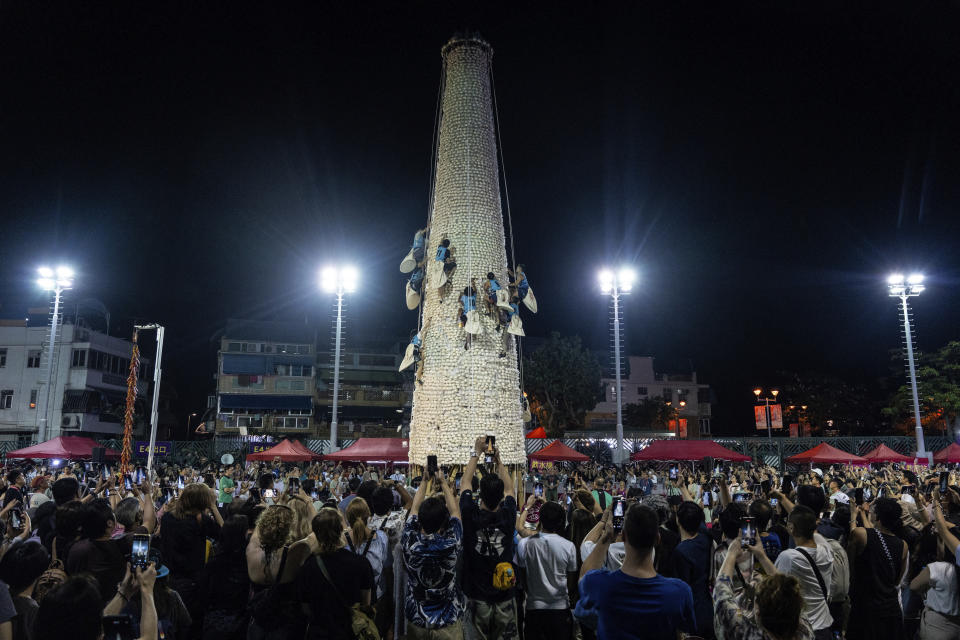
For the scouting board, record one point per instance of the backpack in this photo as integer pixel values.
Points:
(840, 581)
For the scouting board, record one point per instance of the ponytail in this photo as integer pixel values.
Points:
(358, 512)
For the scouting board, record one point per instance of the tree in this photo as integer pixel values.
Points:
(650, 414)
(832, 403)
(563, 378)
(938, 387)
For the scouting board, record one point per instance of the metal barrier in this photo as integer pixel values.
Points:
(771, 450)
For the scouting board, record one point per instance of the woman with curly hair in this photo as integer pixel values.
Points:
(304, 510)
(777, 608)
(274, 556)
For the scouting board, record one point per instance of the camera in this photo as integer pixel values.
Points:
(944, 482)
(491, 443)
(432, 465)
(293, 485)
(538, 490)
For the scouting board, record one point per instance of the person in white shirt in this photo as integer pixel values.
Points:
(615, 553)
(811, 548)
(550, 562)
(937, 583)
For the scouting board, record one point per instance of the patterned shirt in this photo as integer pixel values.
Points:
(433, 597)
(729, 618)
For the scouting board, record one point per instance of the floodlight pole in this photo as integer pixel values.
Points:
(157, 373)
(45, 420)
(336, 371)
(618, 458)
(913, 374)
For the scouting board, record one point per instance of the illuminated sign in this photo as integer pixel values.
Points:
(160, 448)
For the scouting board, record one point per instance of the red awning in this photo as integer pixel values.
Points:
(287, 451)
(883, 453)
(950, 454)
(825, 454)
(63, 447)
(682, 450)
(373, 450)
(539, 432)
(558, 452)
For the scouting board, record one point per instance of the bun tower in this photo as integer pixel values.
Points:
(469, 384)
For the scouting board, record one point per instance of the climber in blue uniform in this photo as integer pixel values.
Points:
(443, 251)
(419, 244)
(416, 279)
(520, 282)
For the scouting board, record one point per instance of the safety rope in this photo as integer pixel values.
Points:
(437, 118)
(506, 196)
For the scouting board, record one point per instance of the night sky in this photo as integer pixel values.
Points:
(763, 165)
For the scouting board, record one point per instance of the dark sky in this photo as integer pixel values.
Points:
(763, 165)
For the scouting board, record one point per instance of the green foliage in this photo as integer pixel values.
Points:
(828, 399)
(938, 386)
(564, 379)
(650, 414)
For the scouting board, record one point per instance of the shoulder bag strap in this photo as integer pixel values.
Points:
(823, 585)
(283, 564)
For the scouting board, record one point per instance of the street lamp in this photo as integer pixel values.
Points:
(192, 415)
(57, 281)
(615, 284)
(339, 281)
(766, 400)
(681, 405)
(904, 288)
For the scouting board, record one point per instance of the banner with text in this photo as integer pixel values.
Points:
(160, 448)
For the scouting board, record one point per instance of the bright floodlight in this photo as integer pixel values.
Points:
(915, 278)
(757, 391)
(45, 272)
(46, 284)
(51, 280)
(64, 273)
(328, 279)
(348, 279)
(626, 278)
(896, 278)
(606, 280)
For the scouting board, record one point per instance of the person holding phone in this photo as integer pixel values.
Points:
(811, 562)
(488, 528)
(635, 601)
(432, 543)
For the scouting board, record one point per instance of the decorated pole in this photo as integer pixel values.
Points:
(129, 412)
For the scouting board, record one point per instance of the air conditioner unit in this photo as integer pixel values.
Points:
(65, 421)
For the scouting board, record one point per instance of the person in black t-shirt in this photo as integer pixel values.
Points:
(353, 580)
(488, 542)
(15, 490)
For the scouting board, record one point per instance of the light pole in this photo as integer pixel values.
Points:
(57, 281)
(188, 424)
(680, 405)
(766, 399)
(339, 281)
(616, 284)
(904, 288)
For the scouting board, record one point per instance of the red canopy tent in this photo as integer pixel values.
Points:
(63, 447)
(883, 453)
(825, 454)
(682, 450)
(950, 454)
(373, 450)
(287, 451)
(539, 432)
(558, 452)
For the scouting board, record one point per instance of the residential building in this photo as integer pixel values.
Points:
(640, 381)
(266, 380)
(374, 396)
(88, 380)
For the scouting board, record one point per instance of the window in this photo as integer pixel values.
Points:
(79, 358)
(367, 360)
(33, 398)
(291, 385)
(6, 399)
(682, 395)
(233, 346)
(251, 347)
(3, 357)
(641, 391)
(703, 395)
(293, 370)
(33, 359)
